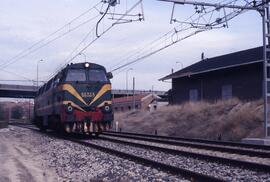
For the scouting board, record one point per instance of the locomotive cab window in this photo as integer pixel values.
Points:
(76, 75)
(97, 75)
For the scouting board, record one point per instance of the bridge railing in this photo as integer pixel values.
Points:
(120, 91)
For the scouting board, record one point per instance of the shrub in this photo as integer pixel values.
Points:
(230, 119)
(17, 112)
(2, 112)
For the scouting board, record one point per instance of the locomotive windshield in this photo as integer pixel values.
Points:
(76, 75)
(97, 75)
(94, 75)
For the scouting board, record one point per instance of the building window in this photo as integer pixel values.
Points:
(226, 91)
(193, 95)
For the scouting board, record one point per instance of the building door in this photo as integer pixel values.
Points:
(193, 95)
(226, 92)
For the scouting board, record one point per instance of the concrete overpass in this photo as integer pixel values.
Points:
(17, 91)
(25, 91)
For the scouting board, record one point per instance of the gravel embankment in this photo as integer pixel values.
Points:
(200, 151)
(73, 162)
(218, 170)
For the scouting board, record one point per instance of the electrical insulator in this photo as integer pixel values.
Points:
(112, 2)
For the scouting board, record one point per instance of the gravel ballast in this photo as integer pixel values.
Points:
(199, 151)
(225, 172)
(74, 162)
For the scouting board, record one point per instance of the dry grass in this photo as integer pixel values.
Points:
(232, 119)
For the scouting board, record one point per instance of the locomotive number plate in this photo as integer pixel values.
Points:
(87, 94)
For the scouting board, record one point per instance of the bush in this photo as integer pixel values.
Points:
(17, 112)
(232, 119)
(2, 112)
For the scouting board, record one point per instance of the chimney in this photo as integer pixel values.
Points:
(202, 56)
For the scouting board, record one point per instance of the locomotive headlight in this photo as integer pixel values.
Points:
(107, 108)
(87, 65)
(69, 108)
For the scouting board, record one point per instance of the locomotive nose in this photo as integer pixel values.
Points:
(89, 91)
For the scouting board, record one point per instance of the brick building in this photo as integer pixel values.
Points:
(27, 109)
(142, 101)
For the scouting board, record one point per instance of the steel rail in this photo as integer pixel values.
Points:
(231, 162)
(247, 152)
(193, 176)
(216, 142)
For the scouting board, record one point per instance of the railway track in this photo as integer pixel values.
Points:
(223, 160)
(215, 142)
(188, 174)
(193, 175)
(263, 151)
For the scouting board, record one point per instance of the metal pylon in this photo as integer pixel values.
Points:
(266, 65)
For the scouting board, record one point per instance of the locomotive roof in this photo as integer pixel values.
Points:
(82, 65)
(75, 66)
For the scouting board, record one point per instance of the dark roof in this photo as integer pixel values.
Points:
(240, 58)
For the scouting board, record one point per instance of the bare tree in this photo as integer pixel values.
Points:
(2, 112)
(17, 112)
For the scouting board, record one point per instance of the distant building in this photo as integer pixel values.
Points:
(238, 74)
(27, 109)
(142, 102)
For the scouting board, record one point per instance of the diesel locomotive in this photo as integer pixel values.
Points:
(77, 99)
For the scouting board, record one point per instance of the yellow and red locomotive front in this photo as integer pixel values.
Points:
(81, 99)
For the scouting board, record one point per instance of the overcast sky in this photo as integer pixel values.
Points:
(23, 23)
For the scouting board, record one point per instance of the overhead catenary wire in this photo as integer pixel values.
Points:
(151, 51)
(49, 42)
(156, 51)
(138, 51)
(30, 50)
(18, 75)
(71, 53)
(98, 22)
(155, 41)
(6, 80)
(105, 31)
